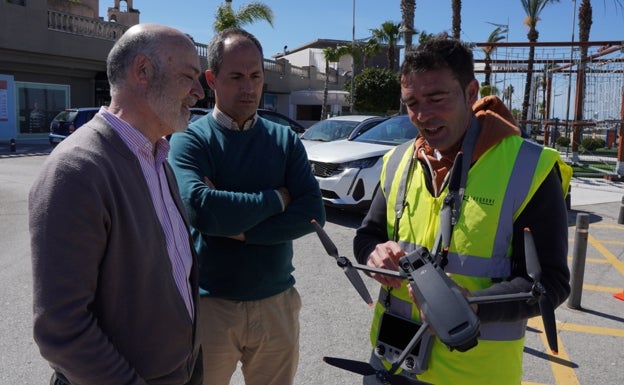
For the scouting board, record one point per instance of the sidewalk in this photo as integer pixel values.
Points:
(24, 147)
(589, 191)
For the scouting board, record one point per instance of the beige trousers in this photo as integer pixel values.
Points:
(263, 335)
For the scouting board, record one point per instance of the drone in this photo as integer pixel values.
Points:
(447, 311)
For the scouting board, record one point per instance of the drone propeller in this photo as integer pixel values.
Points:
(365, 369)
(532, 263)
(347, 267)
(445, 226)
(546, 308)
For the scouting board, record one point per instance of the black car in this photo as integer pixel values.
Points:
(68, 121)
(273, 116)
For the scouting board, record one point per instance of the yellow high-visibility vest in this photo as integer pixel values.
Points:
(499, 186)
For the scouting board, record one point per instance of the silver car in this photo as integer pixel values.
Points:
(337, 128)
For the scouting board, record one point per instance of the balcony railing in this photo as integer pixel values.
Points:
(84, 26)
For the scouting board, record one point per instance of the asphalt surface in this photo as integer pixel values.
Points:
(334, 320)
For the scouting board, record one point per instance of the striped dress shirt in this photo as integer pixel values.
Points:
(151, 158)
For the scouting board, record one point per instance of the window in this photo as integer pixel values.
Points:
(37, 104)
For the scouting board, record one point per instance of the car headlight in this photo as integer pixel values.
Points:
(361, 163)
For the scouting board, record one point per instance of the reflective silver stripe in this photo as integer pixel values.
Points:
(392, 164)
(496, 331)
(408, 247)
(397, 305)
(470, 264)
(503, 331)
(515, 194)
(478, 266)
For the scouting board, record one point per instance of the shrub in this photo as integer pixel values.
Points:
(376, 90)
(591, 144)
(563, 141)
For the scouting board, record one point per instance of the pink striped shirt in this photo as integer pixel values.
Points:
(176, 233)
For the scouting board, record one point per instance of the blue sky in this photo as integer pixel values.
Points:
(297, 22)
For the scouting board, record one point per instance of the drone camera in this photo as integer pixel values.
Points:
(415, 260)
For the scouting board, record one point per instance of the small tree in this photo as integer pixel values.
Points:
(487, 89)
(378, 90)
(507, 94)
(369, 49)
(249, 13)
(389, 33)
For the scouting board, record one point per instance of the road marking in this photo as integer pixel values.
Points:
(591, 329)
(612, 259)
(594, 260)
(604, 289)
(607, 242)
(607, 226)
(563, 374)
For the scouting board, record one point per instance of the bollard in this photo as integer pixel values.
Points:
(621, 217)
(12, 146)
(578, 260)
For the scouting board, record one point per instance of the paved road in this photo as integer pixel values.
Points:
(335, 321)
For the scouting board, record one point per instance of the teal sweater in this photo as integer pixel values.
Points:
(245, 168)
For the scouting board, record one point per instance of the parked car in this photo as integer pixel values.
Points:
(348, 170)
(68, 121)
(197, 112)
(337, 128)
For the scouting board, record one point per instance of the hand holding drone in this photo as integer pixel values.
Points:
(447, 311)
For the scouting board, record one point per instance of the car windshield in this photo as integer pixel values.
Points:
(329, 130)
(393, 131)
(66, 116)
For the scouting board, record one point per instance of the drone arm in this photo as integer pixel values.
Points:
(370, 269)
(501, 298)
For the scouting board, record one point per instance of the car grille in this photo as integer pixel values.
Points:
(325, 170)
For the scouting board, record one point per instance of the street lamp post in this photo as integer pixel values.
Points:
(353, 62)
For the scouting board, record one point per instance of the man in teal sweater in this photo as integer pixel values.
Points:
(249, 191)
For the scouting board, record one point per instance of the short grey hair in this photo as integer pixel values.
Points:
(139, 40)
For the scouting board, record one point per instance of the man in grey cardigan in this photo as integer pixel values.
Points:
(115, 274)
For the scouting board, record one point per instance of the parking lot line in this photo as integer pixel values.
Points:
(563, 374)
(604, 289)
(613, 260)
(591, 329)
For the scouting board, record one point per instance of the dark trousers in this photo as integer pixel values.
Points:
(196, 378)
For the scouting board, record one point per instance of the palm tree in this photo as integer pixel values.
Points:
(390, 34)
(532, 8)
(331, 55)
(247, 14)
(369, 49)
(456, 7)
(507, 94)
(424, 37)
(584, 23)
(497, 35)
(408, 8)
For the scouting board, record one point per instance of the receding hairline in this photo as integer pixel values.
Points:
(166, 33)
(238, 40)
